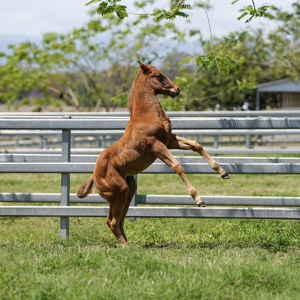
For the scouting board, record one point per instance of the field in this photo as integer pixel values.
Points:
(166, 259)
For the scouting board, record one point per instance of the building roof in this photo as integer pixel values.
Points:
(279, 86)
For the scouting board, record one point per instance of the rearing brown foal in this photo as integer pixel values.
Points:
(148, 135)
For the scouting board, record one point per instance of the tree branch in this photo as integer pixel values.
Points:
(254, 5)
(211, 37)
(176, 9)
(74, 99)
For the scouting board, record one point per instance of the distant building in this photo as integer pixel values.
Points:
(288, 91)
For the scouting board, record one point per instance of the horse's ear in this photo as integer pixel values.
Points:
(145, 69)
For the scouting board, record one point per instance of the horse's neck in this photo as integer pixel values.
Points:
(144, 101)
(146, 104)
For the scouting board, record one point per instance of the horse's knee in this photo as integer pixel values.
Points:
(197, 147)
(178, 168)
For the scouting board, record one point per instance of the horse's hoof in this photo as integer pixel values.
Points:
(225, 176)
(201, 204)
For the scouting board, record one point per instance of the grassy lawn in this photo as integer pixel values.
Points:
(238, 185)
(166, 259)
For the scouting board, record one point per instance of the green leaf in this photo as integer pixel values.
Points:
(186, 60)
(244, 14)
(91, 2)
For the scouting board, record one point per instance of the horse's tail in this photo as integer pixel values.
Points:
(85, 188)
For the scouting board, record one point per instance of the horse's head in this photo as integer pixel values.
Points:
(160, 83)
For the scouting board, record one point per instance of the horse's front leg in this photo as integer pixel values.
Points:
(161, 151)
(181, 143)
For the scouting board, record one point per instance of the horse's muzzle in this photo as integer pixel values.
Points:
(175, 92)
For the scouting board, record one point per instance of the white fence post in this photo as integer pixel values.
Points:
(65, 181)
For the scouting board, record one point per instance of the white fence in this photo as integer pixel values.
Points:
(65, 164)
(216, 141)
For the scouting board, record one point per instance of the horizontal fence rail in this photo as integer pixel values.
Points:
(191, 166)
(187, 114)
(157, 199)
(65, 162)
(191, 128)
(154, 212)
(177, 123)
(55, 133)
(223, 150)
(182, 159)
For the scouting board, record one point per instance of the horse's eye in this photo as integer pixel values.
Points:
(159, 76)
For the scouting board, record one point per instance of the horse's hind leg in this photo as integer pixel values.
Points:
(114, 218)
(181, 143)
(114, 189)
(131, 191)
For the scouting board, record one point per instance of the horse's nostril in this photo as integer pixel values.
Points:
(178, 90)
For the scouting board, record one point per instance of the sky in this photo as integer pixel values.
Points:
(27, 20)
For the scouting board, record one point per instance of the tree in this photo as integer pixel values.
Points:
(255, 56)
(181, 8)
(94, 66)
(90, 66)
(69, 67)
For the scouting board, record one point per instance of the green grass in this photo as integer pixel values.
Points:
(238, 185)
(166, 259)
